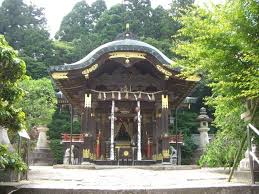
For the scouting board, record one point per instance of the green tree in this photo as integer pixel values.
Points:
(63, 52)
(12, 70)
(80, 21)
(111, 23)
(60, 123)
(179, 7)
(39, 101)
(24, 28)
(223, 46)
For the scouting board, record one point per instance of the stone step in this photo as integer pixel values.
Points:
(249, 189)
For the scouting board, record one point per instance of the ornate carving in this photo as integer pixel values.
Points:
(87, 72)
(119, 79)
(126, 153)
(164, 71)
(59, 75)
(127, 55)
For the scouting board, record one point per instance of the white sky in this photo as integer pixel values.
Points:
(55, 10)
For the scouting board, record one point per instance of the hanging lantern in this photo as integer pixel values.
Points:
(126, 95)
(119, 96)
(137, 109)
(116, 109)
(99, 96)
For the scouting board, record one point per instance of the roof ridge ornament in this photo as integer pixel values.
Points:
(127, 34)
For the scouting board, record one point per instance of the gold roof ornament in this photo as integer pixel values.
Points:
(127, 55)
(89, 70)
(164, 71)
(193, 78)
(59, 75)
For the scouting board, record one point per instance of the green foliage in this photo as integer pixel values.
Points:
(57, 150)
(163, 45)
(186, 125)
(80, 21)
(222, 45)
(223, 149)
(12, 70)
(39, 102)
(63, 52)
(11, 160)
(187, 150)
(61, 124)
(24, 28)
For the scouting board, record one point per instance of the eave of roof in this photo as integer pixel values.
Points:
(117, 45)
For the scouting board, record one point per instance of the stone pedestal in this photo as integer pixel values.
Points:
(244, 164)
(42, 155)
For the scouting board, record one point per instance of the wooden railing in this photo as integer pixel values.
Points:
(75, 137)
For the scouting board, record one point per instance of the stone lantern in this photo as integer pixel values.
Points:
(204, 120)
(42, 155)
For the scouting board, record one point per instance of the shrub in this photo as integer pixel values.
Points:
(11, 160)
(57, 150)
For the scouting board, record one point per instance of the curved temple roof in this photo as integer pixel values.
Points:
(117, 45)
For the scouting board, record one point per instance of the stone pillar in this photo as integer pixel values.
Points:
(204, 120)
(139, 156)
(42, 154)
(112, 131)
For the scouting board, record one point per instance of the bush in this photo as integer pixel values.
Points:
(57, 150)
(221, 151)
(11, 160)
(187, 150)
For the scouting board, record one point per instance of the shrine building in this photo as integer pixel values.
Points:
(124, 92)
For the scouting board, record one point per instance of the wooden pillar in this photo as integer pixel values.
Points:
(86, 128)
(149, 148)
(139, 156)
(98, 145)
(112, 131)
(165, 135)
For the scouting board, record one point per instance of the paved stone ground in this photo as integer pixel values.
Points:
(125, 178)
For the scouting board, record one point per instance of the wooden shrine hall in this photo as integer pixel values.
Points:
(124, 92)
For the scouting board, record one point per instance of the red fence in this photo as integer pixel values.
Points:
(75, 137)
